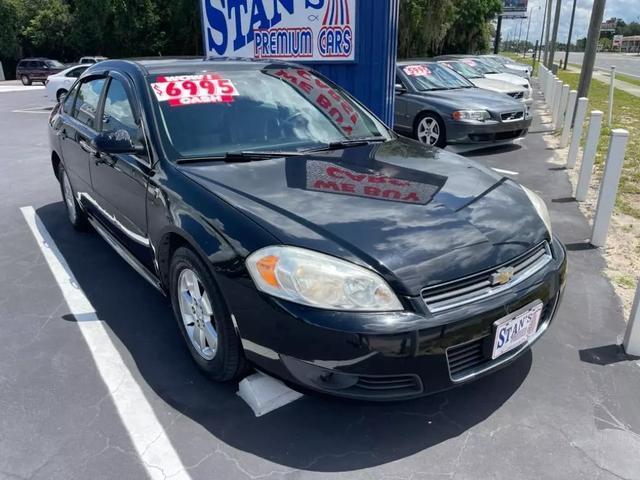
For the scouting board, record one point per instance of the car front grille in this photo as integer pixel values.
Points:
(471, 358)
(517, 95)
(486, 284)
(512, 116)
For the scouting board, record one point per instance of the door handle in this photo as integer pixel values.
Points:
(88, 148)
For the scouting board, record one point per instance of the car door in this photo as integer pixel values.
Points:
(78, 129)
(400, 121)
(120, 180)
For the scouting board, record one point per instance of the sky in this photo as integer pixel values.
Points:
(628, 10)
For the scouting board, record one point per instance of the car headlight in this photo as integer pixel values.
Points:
(319, 280)
(541, 208)
(474, 115)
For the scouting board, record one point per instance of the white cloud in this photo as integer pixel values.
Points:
(625, 9)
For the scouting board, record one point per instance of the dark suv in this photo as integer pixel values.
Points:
(37, 69)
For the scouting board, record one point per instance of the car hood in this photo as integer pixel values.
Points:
(472, 98)
(417, 215)
(497, 85)
(510, 77)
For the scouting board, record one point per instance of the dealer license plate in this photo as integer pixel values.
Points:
(514, 330)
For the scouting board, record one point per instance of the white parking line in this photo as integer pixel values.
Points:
(19, 88)
(45, 110)
(506, 172)
(147, 434)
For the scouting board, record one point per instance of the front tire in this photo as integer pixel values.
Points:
(26, 81)
(203, 318)
(430, 130)
(76, 215)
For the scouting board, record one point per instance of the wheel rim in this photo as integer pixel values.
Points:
(68, 198)
(197, 314)
(429, 131)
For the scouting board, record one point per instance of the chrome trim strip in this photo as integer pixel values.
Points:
(486, 292)
(126, 256)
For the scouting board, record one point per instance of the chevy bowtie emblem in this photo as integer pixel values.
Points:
(502, 276)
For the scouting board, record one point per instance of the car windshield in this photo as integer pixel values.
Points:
(488, 65)
(280, 108)
(433, 76)
(463, 69)
(54, 64)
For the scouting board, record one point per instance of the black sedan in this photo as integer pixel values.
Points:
(293, 231)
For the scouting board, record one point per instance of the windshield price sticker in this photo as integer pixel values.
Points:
(417, 71)
(193, 89)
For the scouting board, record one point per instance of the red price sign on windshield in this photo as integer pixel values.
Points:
(417, 71)
(193, 89)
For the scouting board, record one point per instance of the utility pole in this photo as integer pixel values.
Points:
(546, 41)
(566, 53)
(526, 40)
(544, 16)
(591, 48)
(496, 42)
(554, 37)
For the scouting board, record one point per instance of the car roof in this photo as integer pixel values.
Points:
(413, 61)
(35, 58)
(176, 65)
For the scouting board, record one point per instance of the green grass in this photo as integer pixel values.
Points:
(626, 78)
(626, 114)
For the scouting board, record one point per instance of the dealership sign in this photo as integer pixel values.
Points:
(311, 30)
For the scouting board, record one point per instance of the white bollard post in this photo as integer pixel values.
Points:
(557, 102)
(631, 342)
(611, 90)
(562, 106)
(589, 155)
(609, 186)
(576, 135)
(567, 118)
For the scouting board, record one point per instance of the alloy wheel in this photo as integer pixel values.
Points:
(68, 198)
(428, 131)
(197, 314)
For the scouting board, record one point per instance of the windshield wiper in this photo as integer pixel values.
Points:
(352, 142)
(435, 89)
(242, 156)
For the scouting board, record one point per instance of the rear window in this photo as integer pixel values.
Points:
(274, 109)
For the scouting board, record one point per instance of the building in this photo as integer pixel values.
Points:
(630, 44)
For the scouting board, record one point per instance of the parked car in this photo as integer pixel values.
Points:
(90, 60)
(475, 76)
(438, 107)
(58, 84)
(510, 64)
(491, 70)
(292, 230)
(31, 70)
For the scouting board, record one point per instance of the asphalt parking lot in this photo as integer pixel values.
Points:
(567, 410)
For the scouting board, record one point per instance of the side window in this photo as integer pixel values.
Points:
(118, 113)
(76, 72)
(399, 81)
(87, 102)
(67, 106)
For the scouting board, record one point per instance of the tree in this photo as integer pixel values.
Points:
(470, 32)
(9, 44)
(46, 31)
(632, 28)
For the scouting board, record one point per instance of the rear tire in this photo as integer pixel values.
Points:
(25, 80)
(203, 318)
(77, 217)
(429, 130)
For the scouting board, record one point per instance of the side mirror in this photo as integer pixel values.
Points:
(400, 88)
(116, 141)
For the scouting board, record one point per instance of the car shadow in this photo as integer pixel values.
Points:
(314, 433)
(491, 150)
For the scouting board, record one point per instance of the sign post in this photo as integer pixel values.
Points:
(327, 35)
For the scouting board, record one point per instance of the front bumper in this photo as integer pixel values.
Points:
(488, 132)
(391, 356)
